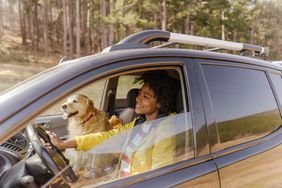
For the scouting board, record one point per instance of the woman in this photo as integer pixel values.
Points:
(155, 99)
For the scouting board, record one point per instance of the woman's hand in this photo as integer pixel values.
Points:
(55, 140)
(60, 144)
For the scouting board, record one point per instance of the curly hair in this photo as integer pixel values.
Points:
(164, 87)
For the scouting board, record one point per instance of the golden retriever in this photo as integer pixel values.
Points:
(83, 119)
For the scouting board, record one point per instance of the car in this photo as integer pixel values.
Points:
(227, 120)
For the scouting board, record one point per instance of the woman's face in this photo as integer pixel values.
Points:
(146, 103)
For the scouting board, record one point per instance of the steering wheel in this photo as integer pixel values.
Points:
(52, 157)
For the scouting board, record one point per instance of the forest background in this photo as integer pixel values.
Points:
(36, 34)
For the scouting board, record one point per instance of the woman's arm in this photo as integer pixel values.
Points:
(61, 144)
(88, 141)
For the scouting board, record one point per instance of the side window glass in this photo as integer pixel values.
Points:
(150, 145)
(125, 83)
(277, 81)
(243, 102)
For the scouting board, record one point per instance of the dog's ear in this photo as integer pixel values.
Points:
(90, 105)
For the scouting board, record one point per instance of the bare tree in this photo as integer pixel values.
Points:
(22, 23)
(70, 27)
(222, 26)
(77, 29)
(103, 29)
(30, 28)
(46, 45)
(111, 26)
(164, 15)
(1, 19)
(65, 27)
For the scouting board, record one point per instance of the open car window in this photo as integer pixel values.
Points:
(130, 149)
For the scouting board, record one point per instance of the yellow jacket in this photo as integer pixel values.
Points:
(154, 156)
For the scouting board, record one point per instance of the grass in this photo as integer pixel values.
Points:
(16, 64)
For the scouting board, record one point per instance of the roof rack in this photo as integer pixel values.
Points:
(141, 40)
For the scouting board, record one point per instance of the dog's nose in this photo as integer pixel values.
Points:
(64, 106)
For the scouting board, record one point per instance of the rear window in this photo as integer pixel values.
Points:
(244, 105)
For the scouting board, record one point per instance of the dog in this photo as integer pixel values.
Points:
(83, 118)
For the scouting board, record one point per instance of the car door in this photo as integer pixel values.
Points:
(246, 141)
(193, 165)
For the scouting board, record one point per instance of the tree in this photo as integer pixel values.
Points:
(22, 23)
(91, 25)
(1, 19)
(65, 27)
(77, 28)
(46, 44)
(70, 22)
(103, 29)
(164, 15)
(111, 25)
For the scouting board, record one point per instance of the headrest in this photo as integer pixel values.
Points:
(131, 97)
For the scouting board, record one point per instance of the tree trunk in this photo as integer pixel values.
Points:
(88, 30)
(77, 29)
(36, 26)
(1, 19)
(222, 26)
(52, 34)
(65, 27)
(70, 28)
(30, 25)
(22, 24)
(103, 29)
(111, 26)
(187, 25)
(46, 45)
(164, 15)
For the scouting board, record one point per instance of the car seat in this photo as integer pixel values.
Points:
(128, 114)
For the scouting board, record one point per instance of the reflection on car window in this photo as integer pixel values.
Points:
(241, 113)
(151, 145)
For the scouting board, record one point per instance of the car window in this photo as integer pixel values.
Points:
(277, 82)
(151, 145)
(243, 102)
(125, 83)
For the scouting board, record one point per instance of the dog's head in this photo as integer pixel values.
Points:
(77, 106)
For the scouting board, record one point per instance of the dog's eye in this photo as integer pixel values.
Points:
(75, 101)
